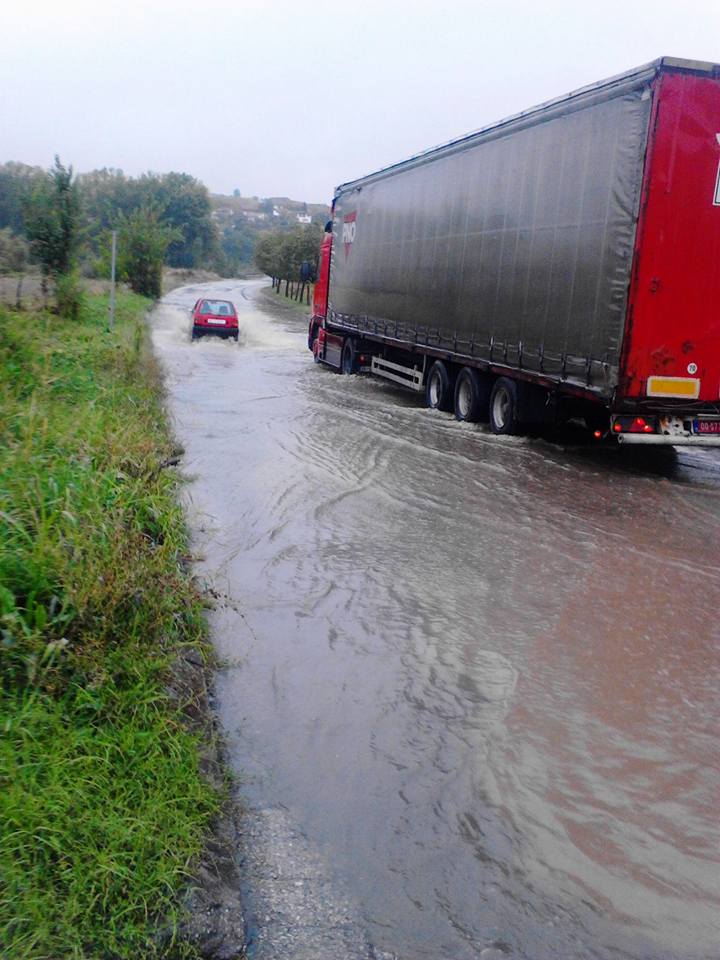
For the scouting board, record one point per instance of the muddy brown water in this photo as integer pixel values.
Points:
(480, 673)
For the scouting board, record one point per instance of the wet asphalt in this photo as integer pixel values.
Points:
(470, 684)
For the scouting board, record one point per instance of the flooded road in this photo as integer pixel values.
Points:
(481, 674)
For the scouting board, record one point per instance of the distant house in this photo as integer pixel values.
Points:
(255, 210)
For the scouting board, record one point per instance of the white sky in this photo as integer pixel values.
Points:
(292, 98)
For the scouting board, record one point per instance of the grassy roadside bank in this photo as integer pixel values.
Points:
(285, 305)
(102, 807)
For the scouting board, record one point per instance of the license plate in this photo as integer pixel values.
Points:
(220, 323)
(707, 426)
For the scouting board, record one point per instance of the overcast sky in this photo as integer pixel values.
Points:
(292, 98)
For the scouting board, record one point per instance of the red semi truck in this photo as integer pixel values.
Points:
(563, 264)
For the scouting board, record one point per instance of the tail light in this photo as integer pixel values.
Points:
(634, 425)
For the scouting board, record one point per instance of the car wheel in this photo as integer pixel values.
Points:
(504, 406)
(472, 395)
(439, 387)
(348, 364)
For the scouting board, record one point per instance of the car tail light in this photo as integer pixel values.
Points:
(634, 425)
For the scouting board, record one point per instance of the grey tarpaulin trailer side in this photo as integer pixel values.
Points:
(512, 245)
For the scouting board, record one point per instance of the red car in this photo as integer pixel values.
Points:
(214, 316)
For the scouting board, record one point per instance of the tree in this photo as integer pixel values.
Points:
(304, 247)
(270, 256)
(142, 243)
(17, 181)
(281, 254)
(13, 252)
(183, 202)
(52, 215)
(105, 194)
(179, 200)
(237, 244)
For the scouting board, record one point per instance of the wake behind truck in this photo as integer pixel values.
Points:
(563, 264)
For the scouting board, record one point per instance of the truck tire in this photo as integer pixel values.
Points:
(348, 361)
(439, 393)
(472, 395)
(504, 407)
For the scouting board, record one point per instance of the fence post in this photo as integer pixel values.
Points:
(111, 320)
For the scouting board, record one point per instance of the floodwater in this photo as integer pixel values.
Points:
(481, 673)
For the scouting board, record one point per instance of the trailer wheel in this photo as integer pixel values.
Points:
(503, 407)
(472, 395)
(348, 362)
(439, 388)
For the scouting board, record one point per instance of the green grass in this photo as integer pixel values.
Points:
(286, 304)
(102, 807)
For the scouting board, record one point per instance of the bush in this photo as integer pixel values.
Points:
(142, 243)
(14, 252)
(69, 295)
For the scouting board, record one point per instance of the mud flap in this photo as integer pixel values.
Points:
(535, 404)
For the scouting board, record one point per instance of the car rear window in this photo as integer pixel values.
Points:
(220, 307)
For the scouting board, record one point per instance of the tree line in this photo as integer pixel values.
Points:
(290, 257)
(63, 223)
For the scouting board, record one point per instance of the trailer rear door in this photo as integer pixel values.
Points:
(672, 341)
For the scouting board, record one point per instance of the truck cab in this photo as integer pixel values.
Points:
(320, 294)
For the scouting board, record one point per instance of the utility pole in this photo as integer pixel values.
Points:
(111, 322)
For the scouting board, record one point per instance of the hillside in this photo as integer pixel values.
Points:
(241, 221)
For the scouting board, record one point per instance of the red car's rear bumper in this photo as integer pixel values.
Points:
(201, 329)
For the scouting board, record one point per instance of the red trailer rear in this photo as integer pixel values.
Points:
(671, 348)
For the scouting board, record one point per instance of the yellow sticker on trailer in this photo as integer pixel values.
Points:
(686, 387)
